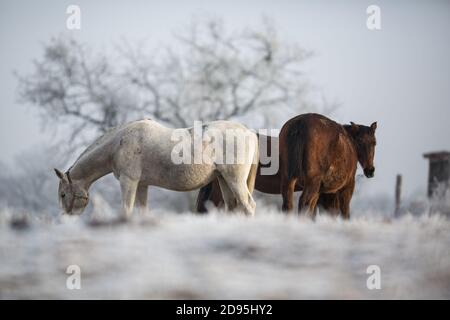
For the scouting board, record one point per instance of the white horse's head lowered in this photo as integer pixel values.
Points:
(72, 197)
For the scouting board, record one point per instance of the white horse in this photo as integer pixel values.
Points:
(140, 154)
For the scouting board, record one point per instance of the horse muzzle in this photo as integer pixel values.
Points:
(369, 172)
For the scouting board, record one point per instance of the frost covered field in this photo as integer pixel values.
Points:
(222, 256)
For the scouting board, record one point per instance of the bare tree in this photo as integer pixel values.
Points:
(72, 87)
(209, 73)
(219, 75)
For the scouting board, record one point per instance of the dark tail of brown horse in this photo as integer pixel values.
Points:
(296, 140)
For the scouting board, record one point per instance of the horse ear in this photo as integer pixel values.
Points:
(59, 174)
(373, 126)
(354, 127)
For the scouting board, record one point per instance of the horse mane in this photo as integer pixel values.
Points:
(107, 134)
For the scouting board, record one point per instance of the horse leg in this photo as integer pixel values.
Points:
(244, 197)
(310, 195)
(227, 194)
(345, 196)
(287, 191)
(203, 195)
(330, 203)
(141, 199)
(128, 187)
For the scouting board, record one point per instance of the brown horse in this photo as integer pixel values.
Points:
(321, 157)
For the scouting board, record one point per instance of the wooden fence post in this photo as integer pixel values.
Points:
(398, 194)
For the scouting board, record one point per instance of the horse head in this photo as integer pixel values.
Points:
(365, 142)
(72, 197)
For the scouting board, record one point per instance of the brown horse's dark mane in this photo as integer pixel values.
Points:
(348, 130)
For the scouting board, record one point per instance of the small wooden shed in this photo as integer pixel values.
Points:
(438, 172)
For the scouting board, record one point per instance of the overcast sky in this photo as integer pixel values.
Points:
(398, 76)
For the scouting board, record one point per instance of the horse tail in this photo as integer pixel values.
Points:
(296, 143)
(253, 169)
(204, 195)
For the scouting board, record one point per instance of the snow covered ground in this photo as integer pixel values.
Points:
(221, 256)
